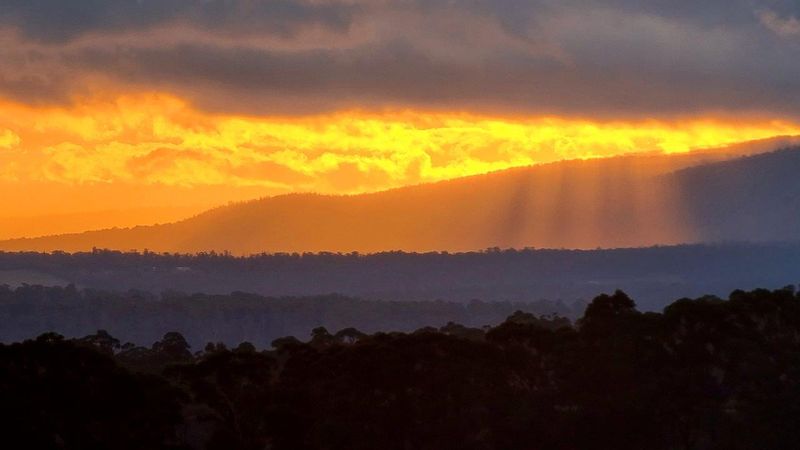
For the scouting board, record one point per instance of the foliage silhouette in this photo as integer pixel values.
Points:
(706, 374)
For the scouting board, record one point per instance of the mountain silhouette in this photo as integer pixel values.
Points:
(626, 201)
(755, 198)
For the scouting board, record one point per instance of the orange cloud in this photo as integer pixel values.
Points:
(158, 139)
(8, 139)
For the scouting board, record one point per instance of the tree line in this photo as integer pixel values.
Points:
(142, 317)
(705, 373)
(564, 280)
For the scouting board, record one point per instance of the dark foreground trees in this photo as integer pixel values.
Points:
(705, 374)
(60, 394)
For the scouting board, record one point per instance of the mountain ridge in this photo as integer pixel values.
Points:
(626, 201)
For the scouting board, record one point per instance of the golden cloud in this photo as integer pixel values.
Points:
(8, 139)
(161, 139)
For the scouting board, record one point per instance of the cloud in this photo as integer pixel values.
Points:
(783, 26)
(161, 140)
(55, 21)
(598, 58)
(8, 139)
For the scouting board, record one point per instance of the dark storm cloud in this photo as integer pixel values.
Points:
(587, 57)
(263, 81)
(58, 20)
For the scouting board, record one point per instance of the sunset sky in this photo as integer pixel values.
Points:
(162, 108)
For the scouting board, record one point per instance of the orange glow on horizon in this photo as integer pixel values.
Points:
(158, 139)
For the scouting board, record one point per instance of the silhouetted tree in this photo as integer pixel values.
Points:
(706, 374)
(103, 341)
(173, 347)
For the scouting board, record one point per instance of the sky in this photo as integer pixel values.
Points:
(154, 109)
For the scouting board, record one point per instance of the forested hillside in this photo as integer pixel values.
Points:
(626, 201)
(706, 374)
(142, 318)
(655, 276)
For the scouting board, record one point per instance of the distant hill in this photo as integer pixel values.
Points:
(553, 279)
(627, 201)
(52, 224)
(756, 198)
